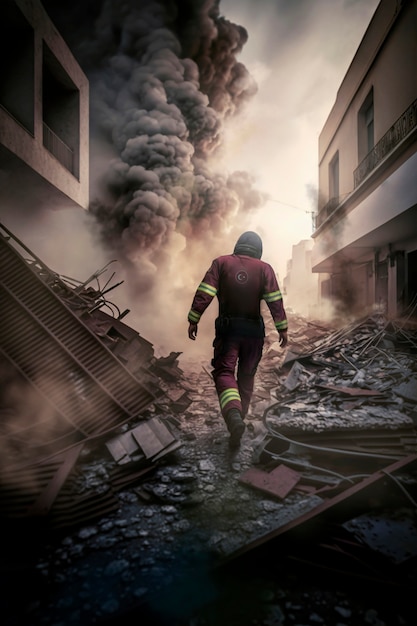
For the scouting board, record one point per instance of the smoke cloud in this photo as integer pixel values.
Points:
(164, 76)
(169, 113)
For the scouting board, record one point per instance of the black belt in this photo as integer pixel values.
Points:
(240, 326)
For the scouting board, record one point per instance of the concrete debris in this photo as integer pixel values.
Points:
(297, 375)
(392, 534)
(350, 363)
(407, 390)
(137, 518)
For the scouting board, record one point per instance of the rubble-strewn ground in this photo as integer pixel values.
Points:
(156, 560)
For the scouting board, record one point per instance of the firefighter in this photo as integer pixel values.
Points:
(239, 281)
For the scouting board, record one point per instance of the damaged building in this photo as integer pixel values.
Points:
(44, 113)
(365, 241)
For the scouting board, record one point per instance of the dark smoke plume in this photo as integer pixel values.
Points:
(164, 76)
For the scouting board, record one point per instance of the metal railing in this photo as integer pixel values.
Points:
(403, 127)
(327, 210)
(58, 148)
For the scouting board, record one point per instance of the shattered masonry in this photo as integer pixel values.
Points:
(331, 434)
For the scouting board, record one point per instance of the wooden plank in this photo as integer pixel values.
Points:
(167, 450)
(147, 440)
(123, 447)
(117, 450)
(279, 482)
(165, 436)
(129, 443)
(152, 436)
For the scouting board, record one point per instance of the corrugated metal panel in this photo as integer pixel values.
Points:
(44, 493)
(31, 491)
(31, 428)
(60, 356)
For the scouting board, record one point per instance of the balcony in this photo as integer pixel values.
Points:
(401, 129)
(327, 210)
(58, 148)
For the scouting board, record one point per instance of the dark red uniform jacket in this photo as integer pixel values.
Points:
(240, 283)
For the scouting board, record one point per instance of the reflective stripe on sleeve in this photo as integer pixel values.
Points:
(208, 289)
(273, 296)
(281, 325)
(193, 316)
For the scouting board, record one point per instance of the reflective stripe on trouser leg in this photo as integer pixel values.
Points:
(229, 398)
(224, 361)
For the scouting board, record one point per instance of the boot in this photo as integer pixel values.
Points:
(236, 427)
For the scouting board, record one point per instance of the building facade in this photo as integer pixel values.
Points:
(44, 112)
(300, 283)
(365, 238)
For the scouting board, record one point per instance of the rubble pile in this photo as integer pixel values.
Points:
(144, 517)
(174, 524)
(359, 377)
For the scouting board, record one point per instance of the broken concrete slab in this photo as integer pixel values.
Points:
(407, 389)
(297, 374)
(392, 533)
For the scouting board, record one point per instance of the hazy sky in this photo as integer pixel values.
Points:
(153, 100)
(298, 51)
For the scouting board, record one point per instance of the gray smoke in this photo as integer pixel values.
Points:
(164, 77)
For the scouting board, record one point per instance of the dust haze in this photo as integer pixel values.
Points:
(173, 181)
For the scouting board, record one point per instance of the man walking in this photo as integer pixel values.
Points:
(240, 281)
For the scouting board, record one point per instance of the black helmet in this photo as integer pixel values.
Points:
(249, 244)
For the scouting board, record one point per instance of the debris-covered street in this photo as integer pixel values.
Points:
(153, 519)
(158, 554)
(266, 474)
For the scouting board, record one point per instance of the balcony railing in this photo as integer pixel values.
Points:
(398, 131)
(327, 210)
(58, 148)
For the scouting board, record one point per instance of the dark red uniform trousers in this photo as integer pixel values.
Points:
(235, 362)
